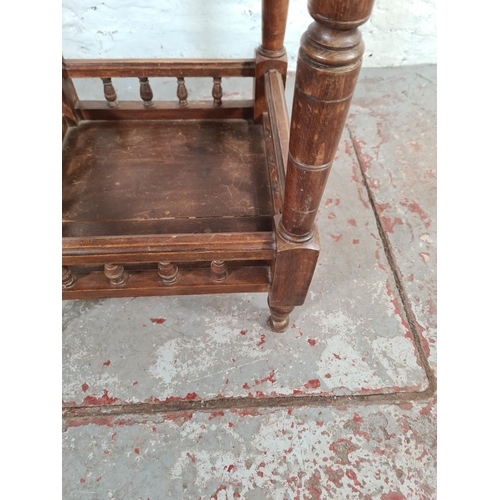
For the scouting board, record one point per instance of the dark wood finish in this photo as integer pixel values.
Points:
(219, 270)
(190, 281)
(271, 54)
(69, 100)
(168, 272)
(279, 318)
(182, 93)
(208, 197)
(327, 69)
(146, 92)
(279, 122)
(272, 165)
(217, 91)
(166, 110)
(68, 279)
(184, 225)
(174, 247)
(109, 92)
(152, 170)
(138, 68)
(115, 274)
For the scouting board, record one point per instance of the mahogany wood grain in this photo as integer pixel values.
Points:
(272, 165)
(169, 248)
(168, 272)
(166, 110)
(279, 121)
(327, 69)
(190, 281)
(219, 270)
(152, 170)
(182, 93)
(115, 274)
(146, 92)
(182, 225)
(271, 54)
(114, 68)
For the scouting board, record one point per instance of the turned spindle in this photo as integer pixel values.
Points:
(182, 92)
(146, 92)
(115, 274)
(168, 272)
(271, 54)
(219, 270)
(109, 92)
(68, 278)
(217, 91)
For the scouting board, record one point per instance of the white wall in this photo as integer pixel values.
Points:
(400, 32)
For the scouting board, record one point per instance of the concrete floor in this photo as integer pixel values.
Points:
(193, 397)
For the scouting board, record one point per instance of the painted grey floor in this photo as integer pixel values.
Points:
(367, 329)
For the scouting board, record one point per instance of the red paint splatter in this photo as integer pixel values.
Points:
(82, 480)
(135, 383)
(329, 201)
(137, 451)
(191, 457)
(85, 387)
(98, 479)
(312, 384)
(357, 418)
(410, 278)
(158, 321)
(311, 341)
(216, 414)
(352, 222)
(246, 412)
(335, 237)
(246, 386)
(328, 375)
(337, 202)
(153, 428)
(230, 468)
(406, 406)
(262, 340)
(351, 475)
(289, 411)
(191, 396)
(336, 356)
(230, 424)
(355, 242)
(107, 363)
(415, 208)
(425, 256)
(331, 215)
(97, 401)
(260, 473)
(389, 223)
(393, 495)
(243, 332)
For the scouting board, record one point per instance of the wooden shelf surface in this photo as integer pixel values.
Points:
(157, 177)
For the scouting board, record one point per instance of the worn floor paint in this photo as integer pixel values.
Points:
(351, 337)
(377, 452)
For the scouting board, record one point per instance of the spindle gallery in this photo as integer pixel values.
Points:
(196, 197)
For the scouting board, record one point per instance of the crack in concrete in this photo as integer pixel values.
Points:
(73, 414)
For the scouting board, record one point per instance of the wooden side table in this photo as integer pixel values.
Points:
(195, 197)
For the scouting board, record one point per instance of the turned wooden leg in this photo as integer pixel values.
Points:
(115, 274)
(278, 321)
(328, 65)
(271, 54)
(68, 278)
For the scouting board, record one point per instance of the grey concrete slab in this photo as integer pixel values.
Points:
(351, 336)
(382, 452)
(393, 125)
